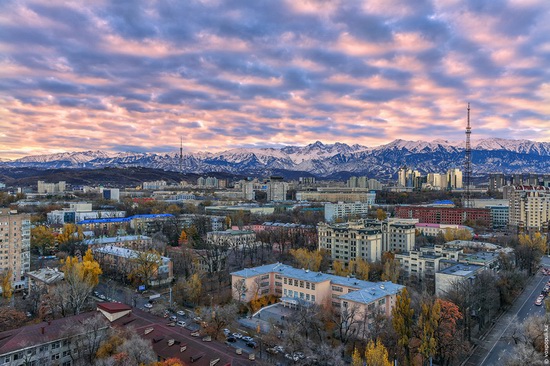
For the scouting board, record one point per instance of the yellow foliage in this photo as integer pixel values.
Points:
(356, 359)
(307, 259)
(360, 268)
(339, 269)
(376, 354)
(381, 214)
(71, 233)
(536, 241)
(88, 270)
(5, 283)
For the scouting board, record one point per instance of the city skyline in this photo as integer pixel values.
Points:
(121, 76)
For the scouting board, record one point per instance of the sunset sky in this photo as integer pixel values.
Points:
(138, 75)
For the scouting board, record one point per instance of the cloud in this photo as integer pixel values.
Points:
(122, 75)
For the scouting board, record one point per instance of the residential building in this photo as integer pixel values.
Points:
(78, 212)
(444, 215)
(112, 194)
(500, 216)
(51, 188)
(496, 181)
(208, 182)
(44, 279)
(211, 222)
(454, 178)
(276, 189)
(15, 245)
(341, 196)
(364, 182)
(232, 238)
(407, 177)
(351, 240)
(154, 185)
(248, 209)
(446, 278)
(142, 224)
(529, 208)
(135, 242)
(436, 229)
(344, 210)
(122, 261)
(301, 287)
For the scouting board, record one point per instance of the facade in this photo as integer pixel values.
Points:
(143, 224)
(444, 215)
(119, 260)
(299, 287)
(367, 197)
(529, 208)
(208, 182)
(154, 185)
(51, 188)
(15, 245)
(407, 177)
(364, 182)
(232, 238)
(135, 242)
(436, 229)
(349, 241)
(445, 278)
(79, 212)
(112, 194)
(343, 210)
(276, 189)
(496, 181)
(500, 216)
(44, 279)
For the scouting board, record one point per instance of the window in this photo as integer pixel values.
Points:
(302, 284)
(313, 286)
(312, 297)
(307, 285)
(284, 280)
(337, 289)
(55, 356)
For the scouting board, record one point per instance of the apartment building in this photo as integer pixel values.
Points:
(444, 215)
(135, 242)
(351, 240)
(298, 287)
(143, 224)
(44, 279)
(15, 245)
(78, 212)
(122, 261)
(341, 196)
(446, 278)
(529, 208)
(51, 188)
(436, 229)
(343, 210)
(232, 238)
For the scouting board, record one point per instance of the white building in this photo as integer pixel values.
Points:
(51, 188)
(445, 278)
(351, 240)
(157, 184)
(78, 212)
(112, 194)
(529, 208)
(343, 210)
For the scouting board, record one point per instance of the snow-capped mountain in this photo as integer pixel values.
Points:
(488, 155)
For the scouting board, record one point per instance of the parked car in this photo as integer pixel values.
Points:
(195, 334)
(252, 344)
(148, 306)
(248, 339)
(539, 300)
(226, 331)
(181, 312)
(173, 318)
(231, 339)
(181, 323)
(237, 335)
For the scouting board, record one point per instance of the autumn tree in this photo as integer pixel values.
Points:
(183, 238)
(11, 318)
(42, 240)
(376, 354)
(145, 266)
(402, 321)
(339, 269)
(360, 268)
(218, 318)
(193, 288)
(356, 359)
(450, 344)
(381, 214)
(86, 338)
(391, 270)
(529, 251)
(307, 259)
(69, 237)
(6, 278)
(427, 324)
(457, 234)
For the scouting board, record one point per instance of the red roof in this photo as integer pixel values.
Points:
(113, 307)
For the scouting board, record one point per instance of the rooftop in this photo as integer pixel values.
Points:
(114, 239)
(368, 295)
(125, 219)
(462, 270)
(122, 252)
(47, 275)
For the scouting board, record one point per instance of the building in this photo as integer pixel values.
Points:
(454, 178)
(276, 189)
(112, 194)
(364, 182)
(529, 208)
(500, 216)
(445, 279)
(122, 261)
(351, 240)
(78, 212)
(344, 210)
(436, 229)
(302, 287)
(15, 245)
(135, 242)
(44, 279)
(444, 215)
(248, 209)
(212, 222)
(154, 185)
(496, 181)
(407, 177)
(232, 238)
(51, 188)
(342, 196)
(142, 224)
(208, 182)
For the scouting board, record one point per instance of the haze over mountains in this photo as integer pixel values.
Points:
(322, 160)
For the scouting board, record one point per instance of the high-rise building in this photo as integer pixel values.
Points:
(454, 178)
(496, 181)
(407, 177)
(276, 189)
(529, 208)
(15, 244)
(49, 188)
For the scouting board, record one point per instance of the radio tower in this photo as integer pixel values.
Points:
(181, 154)
(466, 201)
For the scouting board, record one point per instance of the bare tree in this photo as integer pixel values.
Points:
(85, 339)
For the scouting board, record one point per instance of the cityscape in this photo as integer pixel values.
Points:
(310, 183)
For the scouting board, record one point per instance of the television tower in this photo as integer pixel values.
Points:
(466, 201)
(181, 154)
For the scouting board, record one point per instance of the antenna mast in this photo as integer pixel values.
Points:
(181, 154)
(466, 202)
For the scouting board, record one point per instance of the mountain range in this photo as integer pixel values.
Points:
(318, 159)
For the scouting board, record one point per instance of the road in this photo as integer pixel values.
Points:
(493, 350)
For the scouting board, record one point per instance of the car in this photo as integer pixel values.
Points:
(539, 300)
(248, 339)
(173, 318)
(231, 339)
(102, 297)
(292, 357)
(237, 335)
(148, 306)
(272, 350)
(181, 312)
(300, 355)
(252, 344)
(181, 323)
(226, 331)
(197, 319)
(279, 348)
(195, 334)
(96, 293)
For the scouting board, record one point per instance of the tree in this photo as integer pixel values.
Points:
(450, 343)
(42, 240)
(376, 354)
(339, 269)
(218, 318)
(391, 270)
(307, 259)
(193, 288)
(360, 268)
(11, 318)
(402, 321)
(145, 266)
(69, 237)
(183, 238)
(86, 338)
(356, 359)
(529, 251)
(427, 324)
(90, 268)
(6, 278)
(381, 214)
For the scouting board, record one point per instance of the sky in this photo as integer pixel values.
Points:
(141, 75)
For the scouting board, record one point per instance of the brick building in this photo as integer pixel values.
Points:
(444, 215)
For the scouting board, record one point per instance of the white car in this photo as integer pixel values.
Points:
(181, 323)
(539, 300)
(248, 339)
(237, 335)
(181, 312)
(148, 306)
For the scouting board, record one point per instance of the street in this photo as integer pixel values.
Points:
(493, 349)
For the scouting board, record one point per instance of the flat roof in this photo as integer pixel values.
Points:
(461, 270)
(123, 252)
(114, 239)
